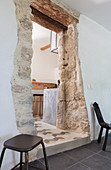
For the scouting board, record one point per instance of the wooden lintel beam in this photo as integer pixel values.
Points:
(53, 11)
(47, 22)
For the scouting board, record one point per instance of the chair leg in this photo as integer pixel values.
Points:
(105, 140)
(100, 134)
(26, 160)
(45, 156)
(2, 155)
(21, 155)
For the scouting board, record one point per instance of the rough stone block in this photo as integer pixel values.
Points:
(70, 89)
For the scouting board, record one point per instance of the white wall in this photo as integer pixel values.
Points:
(44, 63)
(8, 40)
(95, 59)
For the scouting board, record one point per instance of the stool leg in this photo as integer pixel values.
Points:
(21, 154)
(2, 155)
(26, 160)
(105, 140)
(100, 134)
(45, 156)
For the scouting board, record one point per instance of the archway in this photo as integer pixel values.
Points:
(72, 112)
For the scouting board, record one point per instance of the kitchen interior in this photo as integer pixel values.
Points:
(44, 74)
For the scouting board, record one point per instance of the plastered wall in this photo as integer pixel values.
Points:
(8, 41)
(44, 63)
(95, 59)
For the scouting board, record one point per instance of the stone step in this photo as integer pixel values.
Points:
(63, 146)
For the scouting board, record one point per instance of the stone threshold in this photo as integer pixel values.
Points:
(57, 140)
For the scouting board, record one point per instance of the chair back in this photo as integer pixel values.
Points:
(98, 113)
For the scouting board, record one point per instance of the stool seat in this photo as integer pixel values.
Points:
(23, 142)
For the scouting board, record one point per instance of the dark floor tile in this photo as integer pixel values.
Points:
(106, 153)
(36, 163)
(94, 146)
(79, 153)
(109, 140)
(79, 166)
(97, 162)
(91, 157)
(59, 162)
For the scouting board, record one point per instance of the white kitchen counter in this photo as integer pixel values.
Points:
(50, 106)
(37, 91)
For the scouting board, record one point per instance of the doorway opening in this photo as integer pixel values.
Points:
(70, 99)
(44, 75)
(71, 108)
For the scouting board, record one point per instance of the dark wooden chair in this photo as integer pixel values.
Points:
(103, 124)
(23, 143)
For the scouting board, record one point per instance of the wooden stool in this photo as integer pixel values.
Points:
(23, 143)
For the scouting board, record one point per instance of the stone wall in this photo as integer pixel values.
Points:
(72, 112)
(21, 81)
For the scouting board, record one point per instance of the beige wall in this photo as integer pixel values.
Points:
(72, 113)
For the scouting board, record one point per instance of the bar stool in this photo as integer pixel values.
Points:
(24, 143)
(103, 125)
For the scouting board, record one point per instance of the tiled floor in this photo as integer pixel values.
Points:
(53, 135)
(57, 140)
(88, 157)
